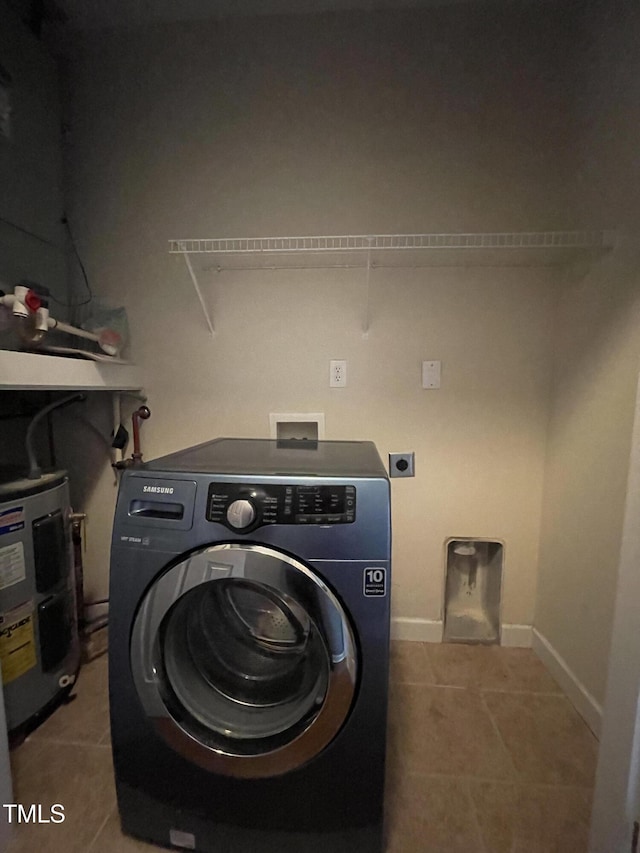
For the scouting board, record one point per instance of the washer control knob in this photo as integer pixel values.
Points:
(240, 514)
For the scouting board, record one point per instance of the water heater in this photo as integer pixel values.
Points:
(39, 647)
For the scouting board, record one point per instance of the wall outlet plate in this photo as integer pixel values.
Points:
(431, 374)
(337, 373)
(402, 464)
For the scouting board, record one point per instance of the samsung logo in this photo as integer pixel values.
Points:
(158, 490)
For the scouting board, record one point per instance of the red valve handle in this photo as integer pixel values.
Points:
(32, 301)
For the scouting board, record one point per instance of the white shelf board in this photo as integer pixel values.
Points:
(28, 371)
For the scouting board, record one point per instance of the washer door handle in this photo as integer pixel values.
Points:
(225, 732)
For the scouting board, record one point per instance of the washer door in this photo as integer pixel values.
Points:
(244, 660)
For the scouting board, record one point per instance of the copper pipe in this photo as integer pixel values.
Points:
(140, 414)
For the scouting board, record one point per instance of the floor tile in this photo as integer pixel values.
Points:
(527, 672)
(444, 730)
(79, 778)
(532, 818)
(463, 665)
(24, 763)
(489, 668)
(409, 663)
(431, 814)
(546, 738)
(485, 756)
(85, 719)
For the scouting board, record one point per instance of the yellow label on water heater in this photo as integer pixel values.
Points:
(17, 642)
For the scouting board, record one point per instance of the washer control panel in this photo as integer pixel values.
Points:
(244, 507)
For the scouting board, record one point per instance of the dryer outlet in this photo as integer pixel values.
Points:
(402, 464)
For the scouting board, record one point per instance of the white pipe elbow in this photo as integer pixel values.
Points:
(42, 319)
(17, 306)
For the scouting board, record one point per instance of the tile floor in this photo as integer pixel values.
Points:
(485, 756)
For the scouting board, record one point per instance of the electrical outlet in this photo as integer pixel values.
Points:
(337, 374)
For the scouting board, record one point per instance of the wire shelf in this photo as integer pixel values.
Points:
(374, 251)
(395, 242)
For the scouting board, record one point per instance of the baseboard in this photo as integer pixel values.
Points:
(516, 636)
(588, 708)
(430, 631)
(420, 630)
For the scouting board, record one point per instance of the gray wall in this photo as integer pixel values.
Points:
(596, 363)
(31, 198)
(341, 123)
(31, 194)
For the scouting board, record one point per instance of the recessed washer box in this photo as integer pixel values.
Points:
(289, 426)
(473, 585)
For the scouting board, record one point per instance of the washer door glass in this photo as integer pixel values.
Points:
(244, 659)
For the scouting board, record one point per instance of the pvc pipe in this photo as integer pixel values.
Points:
(42, 319)
(17, 302)
(101, 340)
(72, 330)
(18, 308)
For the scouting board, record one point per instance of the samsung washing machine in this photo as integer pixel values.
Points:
(249, 646)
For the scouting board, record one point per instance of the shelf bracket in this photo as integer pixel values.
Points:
(367, 305)
(194, 279)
